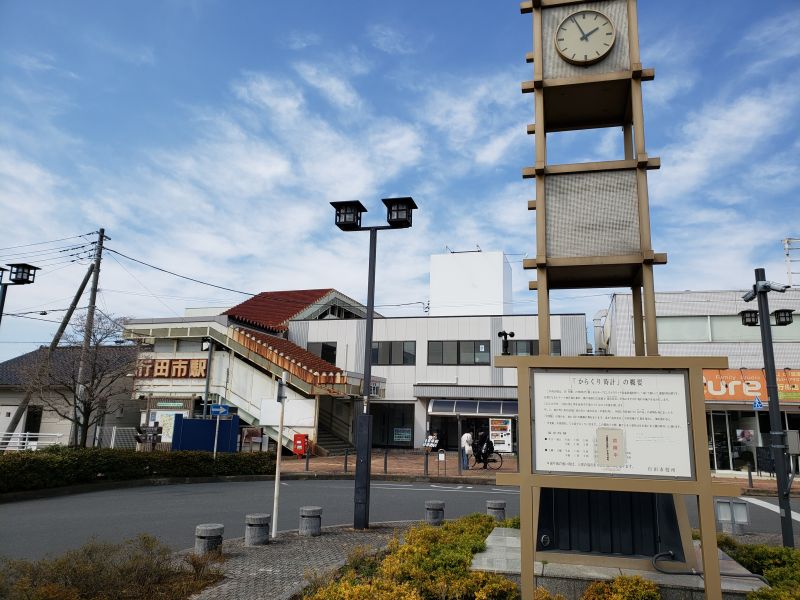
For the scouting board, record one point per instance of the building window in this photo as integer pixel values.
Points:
(465, 352)
(394, 353)
(325, 350)
(531, 347)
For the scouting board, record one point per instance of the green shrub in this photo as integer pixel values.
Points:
(433, 563)
(511, 523)
(59, 466)
(624, 587)
(780, 566)
(138, 568)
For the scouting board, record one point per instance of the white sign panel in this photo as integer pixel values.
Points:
(611, 422)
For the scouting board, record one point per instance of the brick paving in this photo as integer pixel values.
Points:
(281, 569)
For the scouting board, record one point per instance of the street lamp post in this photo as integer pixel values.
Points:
(777, 434)
(19, 274)
(348, 218)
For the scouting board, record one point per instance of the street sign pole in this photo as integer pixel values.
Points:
(279, 447)
(216, 436)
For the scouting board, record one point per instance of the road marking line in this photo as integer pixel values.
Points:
(768, 506)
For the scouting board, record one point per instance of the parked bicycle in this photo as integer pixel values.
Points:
(495, 461)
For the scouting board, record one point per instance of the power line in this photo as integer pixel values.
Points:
(72, 237)
(220, 287)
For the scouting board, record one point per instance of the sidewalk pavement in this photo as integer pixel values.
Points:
(406, 464)
(410, 465)
(281, 569)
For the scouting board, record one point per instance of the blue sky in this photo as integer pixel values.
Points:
(208, 137)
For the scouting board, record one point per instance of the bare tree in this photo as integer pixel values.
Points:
(107, 381)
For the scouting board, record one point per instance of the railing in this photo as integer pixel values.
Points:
(29, 441)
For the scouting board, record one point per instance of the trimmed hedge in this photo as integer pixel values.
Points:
(59, 466)
(781, 567)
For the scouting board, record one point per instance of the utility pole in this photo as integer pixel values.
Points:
(282, 396)
(43, 365)
(87, 332)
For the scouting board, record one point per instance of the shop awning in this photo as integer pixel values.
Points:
(473, 408)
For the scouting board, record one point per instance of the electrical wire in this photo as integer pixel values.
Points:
(169, 308)
(72, 237)
(141, 262)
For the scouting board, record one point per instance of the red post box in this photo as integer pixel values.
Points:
(300, 445)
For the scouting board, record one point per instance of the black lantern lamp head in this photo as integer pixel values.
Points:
(398, 211)
(2, 270)
(749, 318)
(783, 317)
(22, 273)
(348, 214)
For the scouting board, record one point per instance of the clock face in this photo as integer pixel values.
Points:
(585, 37)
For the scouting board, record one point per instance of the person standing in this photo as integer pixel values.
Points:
(466, 450)
(486, 447)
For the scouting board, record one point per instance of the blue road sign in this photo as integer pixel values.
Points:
(219, 410)
(757, 403)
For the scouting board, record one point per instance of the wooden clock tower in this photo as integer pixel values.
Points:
(592, 219)
(608, 446)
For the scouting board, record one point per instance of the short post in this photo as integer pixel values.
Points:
(385, 460)
(434, 512)
(749, 475)
(460, 447)
(346, 454)
(425, 463)
(310, 521)
(256, 529)
(308, 455)
(208, 538)
(496, 509)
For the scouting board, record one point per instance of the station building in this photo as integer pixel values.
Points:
(428, 372)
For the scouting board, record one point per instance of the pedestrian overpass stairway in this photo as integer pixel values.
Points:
(259, 360)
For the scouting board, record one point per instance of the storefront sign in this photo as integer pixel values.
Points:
(171, 368)
(745, 385)
(611, 423)
(500, 434)
(169, 404)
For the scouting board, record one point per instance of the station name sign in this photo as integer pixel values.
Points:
(611, 423)
(171, 368)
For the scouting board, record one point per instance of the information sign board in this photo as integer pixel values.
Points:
(219, 410)
(611, 422)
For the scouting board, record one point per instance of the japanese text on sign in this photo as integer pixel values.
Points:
(611, 423)
(174, 368)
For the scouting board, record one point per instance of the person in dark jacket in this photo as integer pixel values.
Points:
(486, 447)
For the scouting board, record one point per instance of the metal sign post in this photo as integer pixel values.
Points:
(218, 410)
(277, 493)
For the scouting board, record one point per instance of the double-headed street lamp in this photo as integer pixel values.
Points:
(348, 218)
(18, 274)
(751, 318)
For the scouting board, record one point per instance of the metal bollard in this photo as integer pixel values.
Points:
(256, 529)
(425, 464)
(496, 509)
(385, 460)
(208, 538)
(308, 455)
(434, 512)
(749, 476)
(310, 521)
(346, 454)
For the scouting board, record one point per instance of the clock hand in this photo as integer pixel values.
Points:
(585, 36)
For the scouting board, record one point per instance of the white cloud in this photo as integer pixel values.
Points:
(298, 40)
(389, 40)
(40, 63)
(337, 90)
(772, 40)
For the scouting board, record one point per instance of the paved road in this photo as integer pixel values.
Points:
(33, 528)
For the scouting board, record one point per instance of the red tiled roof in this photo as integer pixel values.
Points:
(272, 310)
(289, 356)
